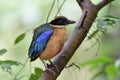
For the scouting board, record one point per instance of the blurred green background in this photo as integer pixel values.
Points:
(19, 16)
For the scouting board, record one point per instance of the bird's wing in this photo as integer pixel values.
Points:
(38, 45)
(42, 28)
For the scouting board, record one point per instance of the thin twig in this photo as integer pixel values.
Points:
(60, 8)
(20, 69)
(51, 8)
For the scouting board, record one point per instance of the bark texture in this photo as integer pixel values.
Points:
(79, 33)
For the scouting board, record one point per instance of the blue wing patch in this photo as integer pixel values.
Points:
(39, 44)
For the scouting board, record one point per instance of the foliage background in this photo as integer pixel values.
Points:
(22, 16)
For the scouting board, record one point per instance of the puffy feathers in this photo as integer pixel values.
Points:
(41, 37)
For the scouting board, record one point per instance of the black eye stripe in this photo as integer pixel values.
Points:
(62, 20)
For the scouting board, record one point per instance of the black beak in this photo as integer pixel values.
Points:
(71, 22)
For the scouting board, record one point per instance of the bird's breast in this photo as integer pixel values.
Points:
(55, 44)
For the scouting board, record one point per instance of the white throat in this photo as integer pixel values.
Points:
(59, 26)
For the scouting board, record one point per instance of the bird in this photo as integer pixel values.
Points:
(48, 39)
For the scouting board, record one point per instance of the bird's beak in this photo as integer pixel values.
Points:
(71, 22)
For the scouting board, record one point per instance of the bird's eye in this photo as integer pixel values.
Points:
(62, 21)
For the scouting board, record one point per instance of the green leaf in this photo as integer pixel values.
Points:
(111, 71)
(37, 75)
(2, 51)
(33, 77)
(99, 73)
(19, 38)
(38, 72)
(10, 62)
(110, 22)
(111, 16)
(7, 65)
(98, 61)
(102, 25)
(93, 34)
(6, 68)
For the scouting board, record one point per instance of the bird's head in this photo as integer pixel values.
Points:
(61, 21)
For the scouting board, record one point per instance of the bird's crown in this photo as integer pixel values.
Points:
(61, 20)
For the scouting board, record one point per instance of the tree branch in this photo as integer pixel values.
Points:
(78, 35)
(80, 3)
(103, 3)
(84, 3)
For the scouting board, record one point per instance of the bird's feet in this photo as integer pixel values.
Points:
(52, 68)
